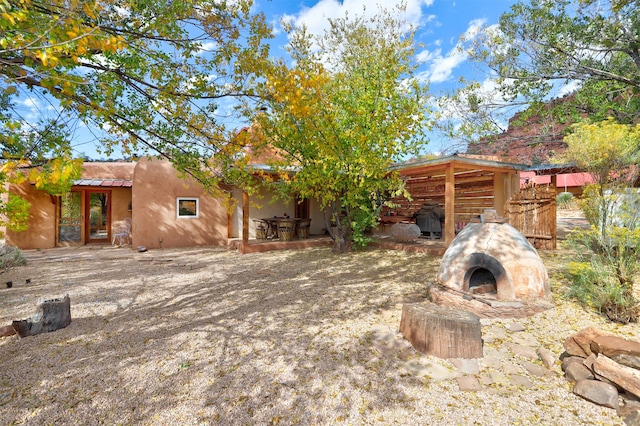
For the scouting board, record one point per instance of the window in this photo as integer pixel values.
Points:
(188, 207)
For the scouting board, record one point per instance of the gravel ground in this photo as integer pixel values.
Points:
(208, 336)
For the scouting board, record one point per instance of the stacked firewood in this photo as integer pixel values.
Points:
(606, 371)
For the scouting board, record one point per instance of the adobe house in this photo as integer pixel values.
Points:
(165, 210)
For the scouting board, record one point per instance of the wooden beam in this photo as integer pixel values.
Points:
(449, 206)
(245, 217)
(499, 190)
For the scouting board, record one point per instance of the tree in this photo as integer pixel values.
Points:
(147, 75)
(607, 254)
(337, 117)
(541, 49)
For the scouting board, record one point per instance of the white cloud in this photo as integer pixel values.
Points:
(208, 46)
(441, 66)
(316, 18)
(568, 88)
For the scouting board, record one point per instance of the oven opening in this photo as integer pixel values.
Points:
(482, 281)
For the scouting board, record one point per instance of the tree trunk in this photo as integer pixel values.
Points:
(340, 233)
(442, 332)
(51, 315)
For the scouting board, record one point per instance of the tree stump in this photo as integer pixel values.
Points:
(50, 315)
(442, 332)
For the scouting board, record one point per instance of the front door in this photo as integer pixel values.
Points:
(98, 209)
(70, 218)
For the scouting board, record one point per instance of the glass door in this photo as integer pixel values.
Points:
(98, 208)
(70, 218)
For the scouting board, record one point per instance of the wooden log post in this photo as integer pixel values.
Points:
(442, 332)
(50, 315)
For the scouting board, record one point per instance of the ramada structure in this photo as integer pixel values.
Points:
(167, 211)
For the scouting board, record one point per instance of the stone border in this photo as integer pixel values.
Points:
(484, 307)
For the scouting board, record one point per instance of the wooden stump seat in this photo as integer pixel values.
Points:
(442, 332)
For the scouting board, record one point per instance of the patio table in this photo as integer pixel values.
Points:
(274, 223)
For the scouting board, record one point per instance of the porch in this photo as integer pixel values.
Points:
(380, 241)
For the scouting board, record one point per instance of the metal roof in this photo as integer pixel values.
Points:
(461, 159)
(120, 183)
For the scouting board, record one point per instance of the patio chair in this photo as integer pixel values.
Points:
(261, 229)
(303, 228)
(121, 232)
(286, 228)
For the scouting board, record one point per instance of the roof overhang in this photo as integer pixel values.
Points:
(109, 183)
(458, 162)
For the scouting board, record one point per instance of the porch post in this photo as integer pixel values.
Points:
(449, 198)
(245, 217)
(499, 192)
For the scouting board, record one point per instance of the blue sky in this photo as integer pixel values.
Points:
(440, 24)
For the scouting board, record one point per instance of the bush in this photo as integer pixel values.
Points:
(11, 256)
(594, 286)
(564, 200)
(604, 273)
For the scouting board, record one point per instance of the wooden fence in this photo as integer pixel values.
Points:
(532, 211)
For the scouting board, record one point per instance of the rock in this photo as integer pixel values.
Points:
(405, 232)
(633, 418)
(509, 368)
(521, 381)
(629, 409)
(468, 383)
(628, 360)
(579, 344)
(626, 377)
(535, 369)
(515, 327)
(577, 371)
(7, 330)
(547, 357)
(467, 366)
(613, 345)
(597, 392)
(588, 362)
(523, 351)
(569, 360)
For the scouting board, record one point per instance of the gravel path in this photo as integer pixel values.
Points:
(207, 336)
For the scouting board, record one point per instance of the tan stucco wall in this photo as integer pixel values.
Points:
(108, 170)
(120, 204)
(156, 188)
(41, 232)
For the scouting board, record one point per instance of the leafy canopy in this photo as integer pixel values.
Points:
(339, 114)
(542, 49)
(148, 76)
(607, 150)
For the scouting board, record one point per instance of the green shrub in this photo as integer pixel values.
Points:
(595, 287)
(11, 256)
(564, 200)
(604, 272)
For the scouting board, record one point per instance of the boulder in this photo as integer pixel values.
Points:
(626, 377)
(576, 372)
(579, 344)
(597, 392)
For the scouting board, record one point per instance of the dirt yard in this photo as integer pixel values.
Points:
(207, 336)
